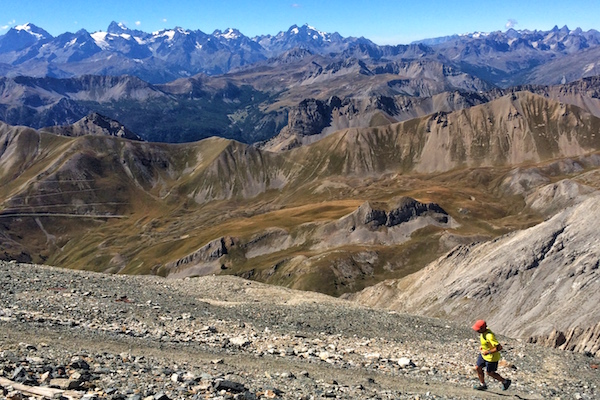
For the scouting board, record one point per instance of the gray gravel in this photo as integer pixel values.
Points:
(219, 337)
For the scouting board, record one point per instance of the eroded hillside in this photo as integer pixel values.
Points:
(307, 218)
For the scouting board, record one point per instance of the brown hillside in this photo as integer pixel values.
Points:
(109, 204)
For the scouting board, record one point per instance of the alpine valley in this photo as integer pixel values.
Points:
(432, 178)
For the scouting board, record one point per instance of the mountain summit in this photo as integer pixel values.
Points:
(22, 37)
(502, 58)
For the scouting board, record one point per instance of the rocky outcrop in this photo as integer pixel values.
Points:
(204, 261)
(308, 119)
(378, 223)
(94, 124)
(404, 210)
(583, 340)
(314, 119)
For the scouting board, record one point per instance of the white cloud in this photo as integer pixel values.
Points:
(8, 25)
(511, 23)
(164, 20)
(138, 23)
(296, 5)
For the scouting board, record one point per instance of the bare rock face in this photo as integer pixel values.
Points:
(404, 210)
(94, 124)
(542, 283)
(556, 196)
(575, 339)
(205, 261)
(376, 223)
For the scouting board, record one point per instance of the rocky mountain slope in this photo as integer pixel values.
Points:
(286, 102)
(87, 335)
(583, 93)
(251, 105)
(222, 206)
(540, 284)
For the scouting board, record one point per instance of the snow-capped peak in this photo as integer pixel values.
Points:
(312, 28)
(24, 27)
(476, 35)
(117, 28)
(33, 30)
(229, 34)
(308, 30)
(170, 33)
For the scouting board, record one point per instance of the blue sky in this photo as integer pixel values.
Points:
(383, 21)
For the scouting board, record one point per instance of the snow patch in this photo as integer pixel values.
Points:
(27, 28)
(229, 34)
(318, 32)
(100, 39)
(589, 67)
(169, 34)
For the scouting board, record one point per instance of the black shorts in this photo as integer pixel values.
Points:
(490, 366)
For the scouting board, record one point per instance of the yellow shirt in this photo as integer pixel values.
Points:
(488, 341)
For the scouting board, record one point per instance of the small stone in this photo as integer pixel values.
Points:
(239, 341)
(372, 356)
(405, 362)
(79, 363)
(19, 373)
(45, 377)
(60, 383)
(161, 396)
(15, 395)
(230, 386)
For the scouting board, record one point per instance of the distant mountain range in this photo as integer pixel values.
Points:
(501, 58)
(156, 57)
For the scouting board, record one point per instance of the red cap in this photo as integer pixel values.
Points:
(478, 325)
